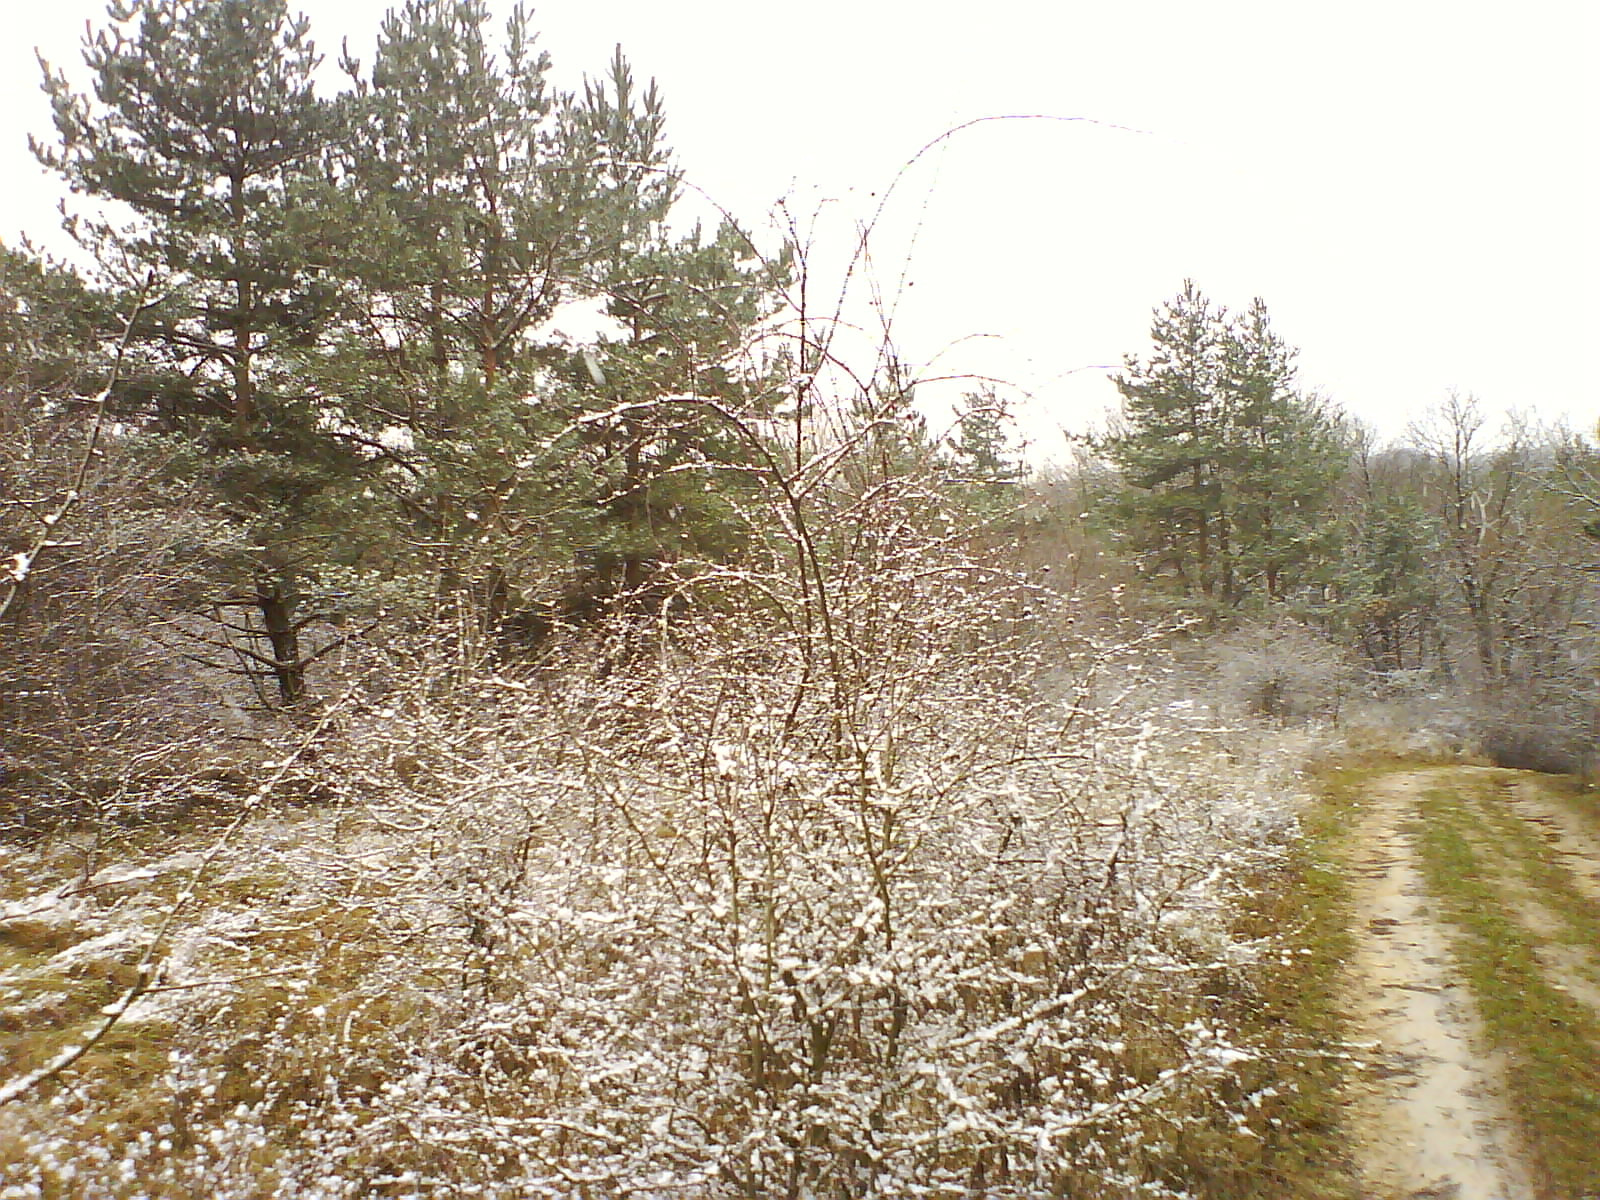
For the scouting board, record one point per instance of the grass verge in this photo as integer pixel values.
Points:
(1550, 1041)
(1289, 1011)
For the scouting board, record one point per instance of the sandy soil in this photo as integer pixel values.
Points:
(1429, 1121)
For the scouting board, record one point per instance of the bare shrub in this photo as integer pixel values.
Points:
(98, 717)
(856, 866)
(697, 948)
(1530, 729)
(1281, 670)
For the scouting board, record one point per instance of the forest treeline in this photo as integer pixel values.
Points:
(311, 398)
(1457, 563)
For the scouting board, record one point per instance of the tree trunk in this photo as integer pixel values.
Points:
(244, 390)
(277, 616)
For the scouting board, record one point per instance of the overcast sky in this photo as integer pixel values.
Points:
(1411, 185)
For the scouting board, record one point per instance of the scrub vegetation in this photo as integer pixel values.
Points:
(445, 754)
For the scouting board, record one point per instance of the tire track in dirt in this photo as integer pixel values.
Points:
(1573, 840)
(1428, 1119)
(1571, 969)
(1573, 845)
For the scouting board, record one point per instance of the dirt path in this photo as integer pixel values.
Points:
(1430, 1122)
(1574, 841)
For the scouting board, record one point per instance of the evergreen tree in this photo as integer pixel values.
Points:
(981, 449)
(1172, 446)
(678, 401)
(205, 124)
(498, 199)
(982, 463)
(1228, 469)
(206, 127)
(490, 201)
(53, 326)
(1287, 453)
(1388, 588)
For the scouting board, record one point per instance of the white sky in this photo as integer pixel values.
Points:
(1412, 185)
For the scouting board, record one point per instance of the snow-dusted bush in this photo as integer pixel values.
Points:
(868, 876)
(821, 893)
(681, 930)
(1282, 670)
(701, 955)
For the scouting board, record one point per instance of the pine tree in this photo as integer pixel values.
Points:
(1391, 589)
(206, 127)
(489, 202)
(983, 465)
(677, 401)
(503, 199)
(1287, 452)
(982, 450)
(53, 330)
(1172, 447)
(1227, 468)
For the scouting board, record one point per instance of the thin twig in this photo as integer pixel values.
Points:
(22, 562)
